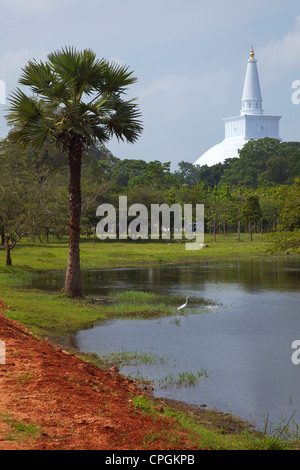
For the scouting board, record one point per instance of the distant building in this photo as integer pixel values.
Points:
(250, 124)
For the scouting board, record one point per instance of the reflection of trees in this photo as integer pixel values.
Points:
(251, 275)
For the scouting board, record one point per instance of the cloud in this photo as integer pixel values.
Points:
(172, 97)
(13, 61)
(282, 56)
(32, 5)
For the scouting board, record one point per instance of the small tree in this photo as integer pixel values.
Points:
(251, 211)
(13, 198)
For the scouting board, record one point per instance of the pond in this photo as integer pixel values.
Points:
(243, 343)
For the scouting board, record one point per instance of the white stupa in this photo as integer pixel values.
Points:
(250, 124)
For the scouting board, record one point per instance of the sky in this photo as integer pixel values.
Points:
(189, 57)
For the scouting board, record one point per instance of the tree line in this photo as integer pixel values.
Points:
(240, 195)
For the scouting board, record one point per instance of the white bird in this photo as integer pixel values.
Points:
(184, 305)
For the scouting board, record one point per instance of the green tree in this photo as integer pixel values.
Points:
(212, 175)
(12, 223)
(251, 211)
(156, 175)
(77, 102)
(264, 160)
(124, 170)
(188, 173)
(14, 197)
(219, 207)
(290, 214)
(271, 199)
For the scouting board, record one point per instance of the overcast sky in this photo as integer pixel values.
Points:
(189, 56)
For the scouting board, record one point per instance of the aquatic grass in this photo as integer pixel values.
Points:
(140, 378)
(125, 357)
(286, 429)
(136, 310)
(135, 296)
(182, 378)
(149, 298)
(162, 303)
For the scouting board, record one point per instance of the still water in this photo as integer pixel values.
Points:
(243, 343)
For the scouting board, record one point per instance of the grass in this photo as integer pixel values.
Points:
(125, 357)
(209, 429)
(285, 429)
(113, 254)
(183, 378)
(134, 358)
(18, 430)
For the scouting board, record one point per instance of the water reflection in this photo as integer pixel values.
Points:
(245, 345)
(252, 275)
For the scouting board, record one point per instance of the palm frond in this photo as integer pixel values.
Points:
(60, 105)
(23, 107)
(31, 118)
(81, 68)
(33, 133)
(37, 76)
(116, 78)
(44, 82)
(124, 122)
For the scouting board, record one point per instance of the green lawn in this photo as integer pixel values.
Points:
(106, 254)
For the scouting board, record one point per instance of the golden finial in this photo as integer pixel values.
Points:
(252, 54)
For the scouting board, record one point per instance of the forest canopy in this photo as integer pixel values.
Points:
(259, 191)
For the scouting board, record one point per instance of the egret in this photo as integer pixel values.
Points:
(184, 305)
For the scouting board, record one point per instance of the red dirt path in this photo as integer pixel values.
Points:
(74, 404)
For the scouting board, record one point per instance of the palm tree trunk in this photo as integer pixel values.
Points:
(73, 273)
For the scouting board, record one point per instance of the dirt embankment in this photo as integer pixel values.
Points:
(66, 403)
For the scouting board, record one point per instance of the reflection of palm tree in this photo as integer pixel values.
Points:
(77, 102)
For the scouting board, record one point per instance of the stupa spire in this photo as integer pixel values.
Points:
(251, 99)
(251, 123)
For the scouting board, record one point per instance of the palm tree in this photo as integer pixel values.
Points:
(77, 102)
